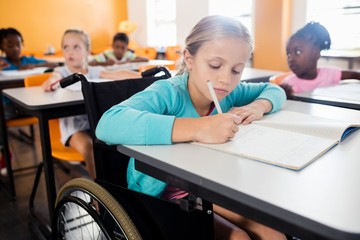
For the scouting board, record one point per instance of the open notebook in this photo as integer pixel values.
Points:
(287, 139)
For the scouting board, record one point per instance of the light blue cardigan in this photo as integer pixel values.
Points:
(147, 118)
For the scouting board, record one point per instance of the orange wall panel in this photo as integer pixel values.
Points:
(272, 30)
(42, 23)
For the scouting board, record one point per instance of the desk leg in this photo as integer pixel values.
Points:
(6, 152)
(49, 174)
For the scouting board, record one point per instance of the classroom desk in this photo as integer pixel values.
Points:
(46, 106)
(349, 55)
(346, 95)
(257, 75)
(319, 202)
(12, 79)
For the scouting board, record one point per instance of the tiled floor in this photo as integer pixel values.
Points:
(15, 215)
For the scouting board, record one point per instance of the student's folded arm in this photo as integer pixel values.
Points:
(125, 125)
(247, 93)
(350, 75)
(145, 118)
(275, 95)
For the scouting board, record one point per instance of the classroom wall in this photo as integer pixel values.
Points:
(136, 10)
(42, 23)
(272, 28)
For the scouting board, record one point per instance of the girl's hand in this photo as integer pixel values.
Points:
(288, 90)
(27, 66)
(3, 64)
(51, 83)
(109, 62)
(211, 129)
(253, 111)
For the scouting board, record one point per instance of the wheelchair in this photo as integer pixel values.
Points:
(106, 209)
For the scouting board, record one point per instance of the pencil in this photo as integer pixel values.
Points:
(213, 95)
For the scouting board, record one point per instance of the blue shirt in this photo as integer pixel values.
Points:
(23, 61)
(147, 118)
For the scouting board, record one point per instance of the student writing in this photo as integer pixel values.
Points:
(119, 54)
(303, 52)
(75, 130)
(217, 49)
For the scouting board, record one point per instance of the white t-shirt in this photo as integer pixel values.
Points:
(73, 124)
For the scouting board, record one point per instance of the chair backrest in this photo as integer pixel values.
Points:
(99, 97)
(173, 52)
(36, 80)
(278, 78)
(148, 52)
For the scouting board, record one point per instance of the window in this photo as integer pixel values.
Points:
(161, 20)
(341, 18)
(241, 10)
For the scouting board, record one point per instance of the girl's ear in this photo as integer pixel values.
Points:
(188, 59)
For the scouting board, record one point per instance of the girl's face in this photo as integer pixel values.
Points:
(74, 50)
(11, 46)
(119, 48)
(302, 58)
(221, 61)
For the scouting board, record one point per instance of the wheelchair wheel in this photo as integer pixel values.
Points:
(85, 210)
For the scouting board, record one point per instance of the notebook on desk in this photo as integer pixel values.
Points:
(287, 139)
(23, 73)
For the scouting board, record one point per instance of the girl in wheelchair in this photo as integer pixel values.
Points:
(217, 49)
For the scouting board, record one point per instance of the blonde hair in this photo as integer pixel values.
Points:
(213, 27)
(85, 37)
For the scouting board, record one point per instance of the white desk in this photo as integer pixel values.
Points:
(20, 74)
(46, 106)
(322, 201)
(12, 79)
(257, 75)
(346, 94)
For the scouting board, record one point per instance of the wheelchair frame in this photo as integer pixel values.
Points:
(154, 218)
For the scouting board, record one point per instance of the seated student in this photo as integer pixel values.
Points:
(303, 52)
(217, 49)
(119, 53)
(75, 130)
(11, 42)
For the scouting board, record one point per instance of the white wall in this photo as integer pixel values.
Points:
(137, 13)
(298, 14)
(188, 13)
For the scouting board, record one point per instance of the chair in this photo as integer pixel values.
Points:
(173, 52)
(148, 52)
(58, 150)
(149, 214)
